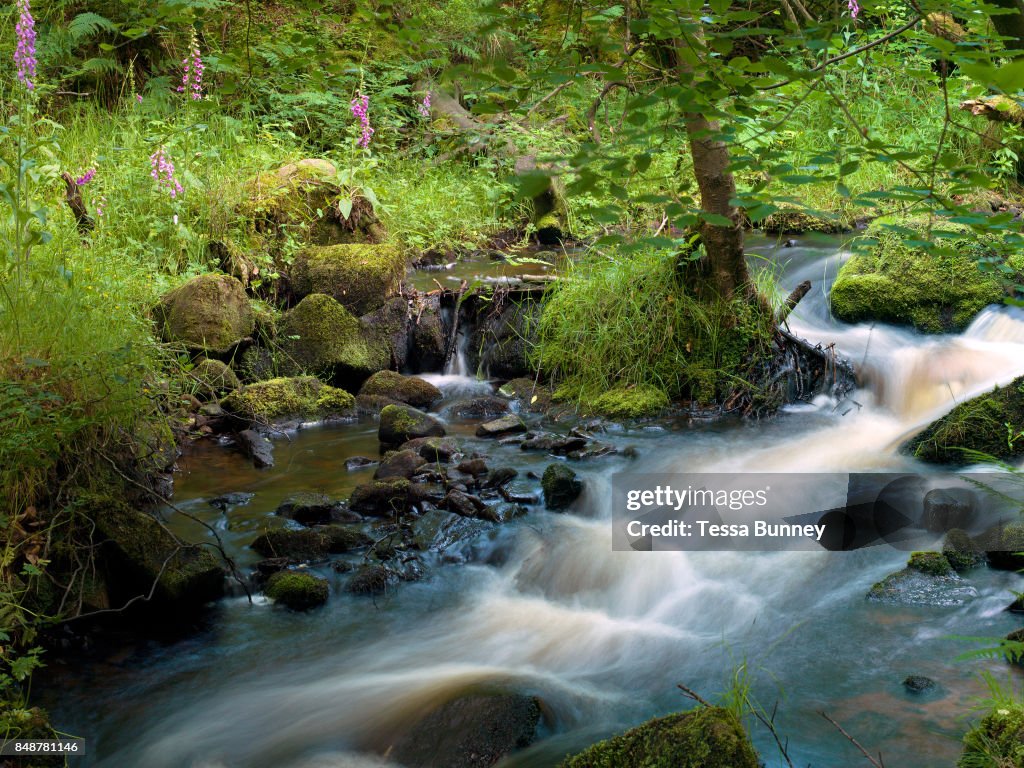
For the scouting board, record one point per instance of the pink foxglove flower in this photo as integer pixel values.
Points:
(854, 8)
(86, 177)
(162, 171)
(424, 108)
(25, 48)
(192, 70)
(361, 111)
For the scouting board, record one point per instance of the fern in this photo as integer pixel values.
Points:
(86, 25)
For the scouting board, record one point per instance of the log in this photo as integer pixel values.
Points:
(791, 301)
(999, 109)
(73, 197)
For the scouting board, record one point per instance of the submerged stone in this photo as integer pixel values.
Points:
(928, 579)
(310, 544)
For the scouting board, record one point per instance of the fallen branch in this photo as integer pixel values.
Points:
(791, 301)
(877, 763)
(73, 196)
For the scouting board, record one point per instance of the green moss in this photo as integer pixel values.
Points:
(321, 337)
(997, 741)
(298, 195)
(930, 563)
(631, 402)
(298, 591)
(213, 378)
(309, 543)
(709, 737)
(304, 397)
(405, 389)
(961, 551)
(794, 222)
(209, 312)
(979, 425)
(359, 276)
(898, 282)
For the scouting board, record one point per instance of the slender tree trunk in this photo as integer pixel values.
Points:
(1010, 25)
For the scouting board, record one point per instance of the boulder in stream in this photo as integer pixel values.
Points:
(308, 508)
(561, 486)
(505, 425)
(298, 591)
(310, 544)
(381, 498)
(410, 390)
(282, 400)
(359, 276)
(928, 579)
(960, 551)
(399, 464)
(401, 423)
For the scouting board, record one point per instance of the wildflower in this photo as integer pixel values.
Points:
(424, 108)
(25, 50)
(138, 98)
(192, 70)
(175, 219)
(100, 205)
(854, 8)
(360, 110)
(162, 171)
(86, 177)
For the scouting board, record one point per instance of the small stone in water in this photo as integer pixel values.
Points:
(358, 462)
(233, 499)
(918, 683)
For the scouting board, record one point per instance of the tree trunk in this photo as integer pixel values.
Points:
(1010, 25)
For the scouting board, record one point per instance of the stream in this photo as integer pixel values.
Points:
(546, 607)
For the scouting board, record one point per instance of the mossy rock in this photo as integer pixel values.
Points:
(930, 563)
(135, 552)
(979, 424)
(401, 423)
(297, 196)
(298, 591)
(310, 544)
(560, 485)
(960, 550)
(287, 399)
(532, 396)
(256, 363)
(209, 313)
(630, 402)
(359, 276)
(213, 379)
(404, 389)
(709, 737)
(928, 579)
(389, 331)
(900, 283)
(997, 741)
(319, 336)
(790, 221)
(1003, 545)
(381, 498)
(506, 339)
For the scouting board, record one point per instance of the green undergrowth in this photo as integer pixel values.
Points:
(619, 333)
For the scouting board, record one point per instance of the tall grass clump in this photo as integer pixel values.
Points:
(623, 322)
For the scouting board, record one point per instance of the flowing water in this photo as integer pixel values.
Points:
(547, 607)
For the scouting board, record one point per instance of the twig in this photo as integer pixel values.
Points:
(877, 763)
(693, 694)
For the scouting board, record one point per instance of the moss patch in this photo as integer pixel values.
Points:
(405, 389)
(209, 312)
(979, 425)
(321, 337)
(930, 563)
(631, 402)
(359, 276)
(304, 397)
(997, 741)
(795, 222)
(298, 591)
(898, 282)
(709, 737)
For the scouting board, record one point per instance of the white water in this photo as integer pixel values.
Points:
(603, 636)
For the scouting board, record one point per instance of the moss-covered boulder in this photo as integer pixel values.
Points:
(288, 399)
(1003, 545)
(997, 741)
(897, 282)
(505, 339)
(791, 221)
(209, 313)
(256, 363)
(136, 554)
(381, 498)
(928, 579)
(359, 276)
(319, 336)
(560, 485)
(960, 550)
(390, 330)
(401, 423)
(403, 389)
(298, 591)
(630, 402)
(979, 424)
(709, 737)
(310, 544)
(213, 378)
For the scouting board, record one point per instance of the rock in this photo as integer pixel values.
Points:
(439, 531)
(997, 740)
(136, 555)
(484, 407)
(428, 336)
(928, 579)
(472, 467)
(506, 337)
(281, 400)
(372, 405)
(790, 221)
(388, 329)
(531, 396)
(257, 447)
(311, 543)
(210, 313)
(403, 389)
(399, 464)
(213, 379)
(901, 284)
(233, 499)
(475, 730)
(506, 425)
(947, 508)
(381, 498)
(359, 462)
(321, 337)
(978, 424)
(401, 423)
(560, 486)
(298, 591)
(500, 476)
(269, 566)
(502, 513)
(960, 551)
(918, 683)
(369, 580)
(518, 496)
(308, 508)
(706, 737)
(359, 276)
(462, 503)
(1002, 545)
(559, 445)
(255, 364)
(435, 449)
